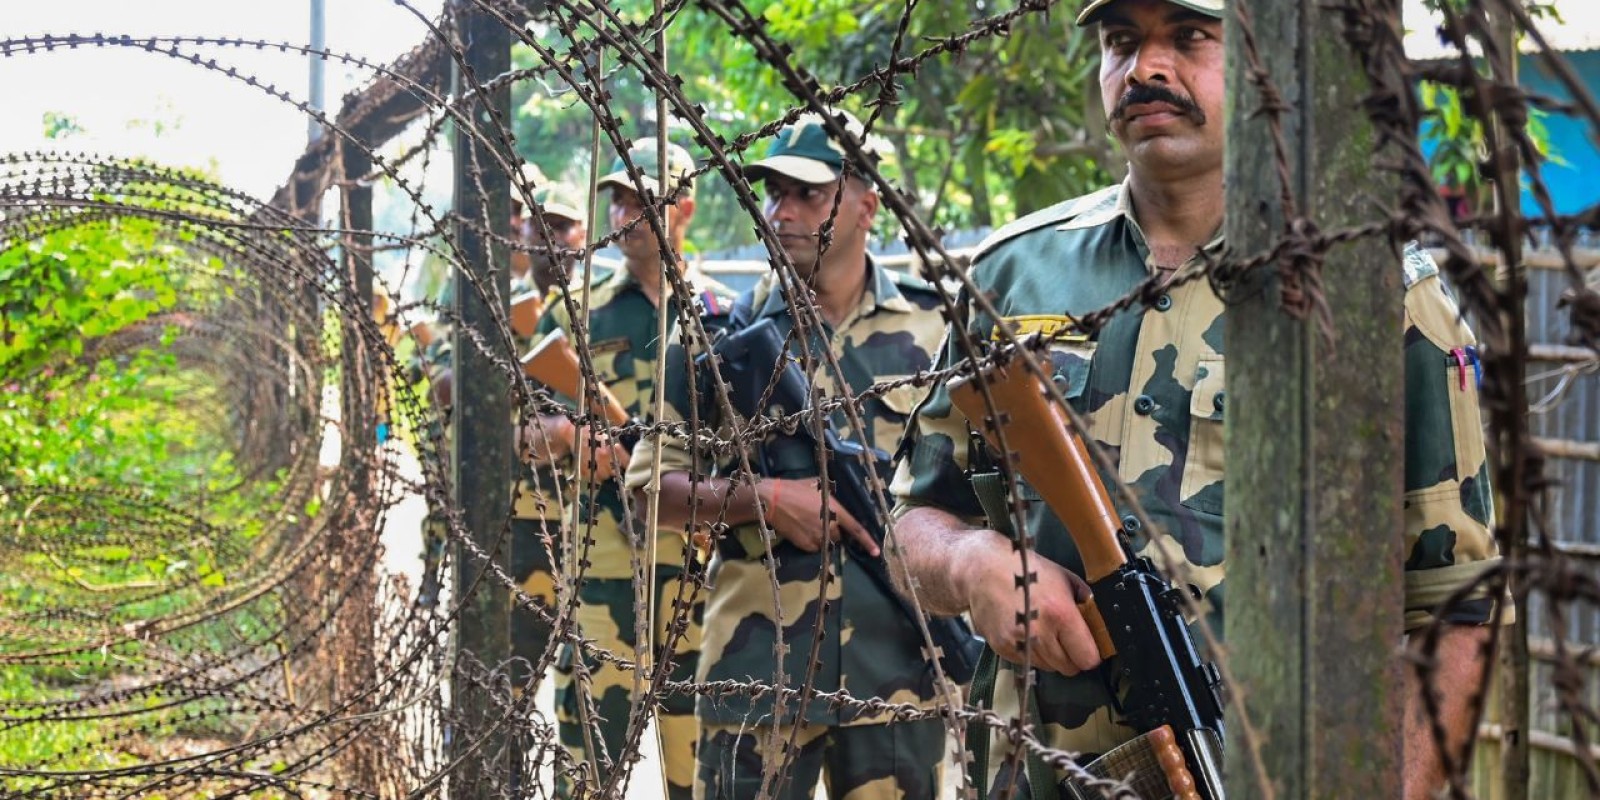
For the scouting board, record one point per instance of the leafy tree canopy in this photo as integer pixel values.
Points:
(998, 130)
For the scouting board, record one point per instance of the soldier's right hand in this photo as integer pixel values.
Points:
(794, 511)
(1061, 639)
(598, 464)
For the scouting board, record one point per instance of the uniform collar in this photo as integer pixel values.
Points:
(881, 294)
(1111, 206)
(623, 278)
(1100, 208)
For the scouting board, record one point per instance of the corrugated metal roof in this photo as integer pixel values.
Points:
(1578, 30)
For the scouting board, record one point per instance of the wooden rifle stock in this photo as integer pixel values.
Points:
(554, 363)
(1046, 452)
(526, 308)
(1043, 448)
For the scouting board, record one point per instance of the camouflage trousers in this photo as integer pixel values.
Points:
(534, 571)
(889, 761)
(606, 615)
(1086, 728)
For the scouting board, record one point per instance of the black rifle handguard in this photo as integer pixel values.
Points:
(749, 359)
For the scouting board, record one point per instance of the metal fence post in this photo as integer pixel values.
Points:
(481, 413)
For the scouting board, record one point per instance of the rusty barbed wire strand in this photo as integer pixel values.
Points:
(309, 659)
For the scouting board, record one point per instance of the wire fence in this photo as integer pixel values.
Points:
(265, 638)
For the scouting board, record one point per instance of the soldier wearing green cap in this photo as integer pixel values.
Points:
(551, 236)
(623, 342)
(1150, 386)
(879, 325)
(537, 263)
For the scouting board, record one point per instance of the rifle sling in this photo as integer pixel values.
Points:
(990, 487)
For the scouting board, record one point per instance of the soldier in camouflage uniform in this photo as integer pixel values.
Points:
(623, 342)
(1150, 385)
(536, 509)
(846, 628)
(531, 271)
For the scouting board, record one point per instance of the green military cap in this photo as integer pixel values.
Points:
(1091, 10)
(644, 156)
(805, 152)
(560, 200)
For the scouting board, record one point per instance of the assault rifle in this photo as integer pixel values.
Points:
(554, 363)
(1172, 697)
(526, 308)
(750, 359)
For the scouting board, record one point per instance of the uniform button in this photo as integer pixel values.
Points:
(1220, 401)
(1144, 404)
(1061, 382)
(1130, 523)
(1164, 302)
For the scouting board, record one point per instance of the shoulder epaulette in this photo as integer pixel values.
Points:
(1418, 264)
(1054, 215)
(909, 282)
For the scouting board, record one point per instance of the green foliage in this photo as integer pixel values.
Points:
(976, 134)
(59, 126)
(95, 396)
(78, 283)
(1461, 147)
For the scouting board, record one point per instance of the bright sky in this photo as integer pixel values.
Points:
(120, 95)
(1579, 28)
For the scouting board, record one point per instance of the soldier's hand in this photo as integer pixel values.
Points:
(608, 459)
(546, 439)
(794, 510)
(1061, 639)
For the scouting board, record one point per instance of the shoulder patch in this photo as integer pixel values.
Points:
(714, 303)
(1418, 264)
(1054, 215)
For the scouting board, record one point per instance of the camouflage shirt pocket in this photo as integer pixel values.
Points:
(1203, 463)
(1072, 361)
(613, 359)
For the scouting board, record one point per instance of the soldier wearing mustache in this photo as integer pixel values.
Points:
(1150, 385)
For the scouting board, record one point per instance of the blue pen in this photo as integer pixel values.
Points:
(1477, 366)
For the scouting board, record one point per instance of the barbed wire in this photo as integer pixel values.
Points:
(264, 635)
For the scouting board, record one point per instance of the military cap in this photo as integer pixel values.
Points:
(804, 150)
(560, 200)
(644, 156)
(1091, 10)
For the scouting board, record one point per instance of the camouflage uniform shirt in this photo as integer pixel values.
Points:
(868, 647)
(533, 493)
(623, 345)
(1150, 386)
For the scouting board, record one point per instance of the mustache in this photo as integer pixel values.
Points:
(1155, 93)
